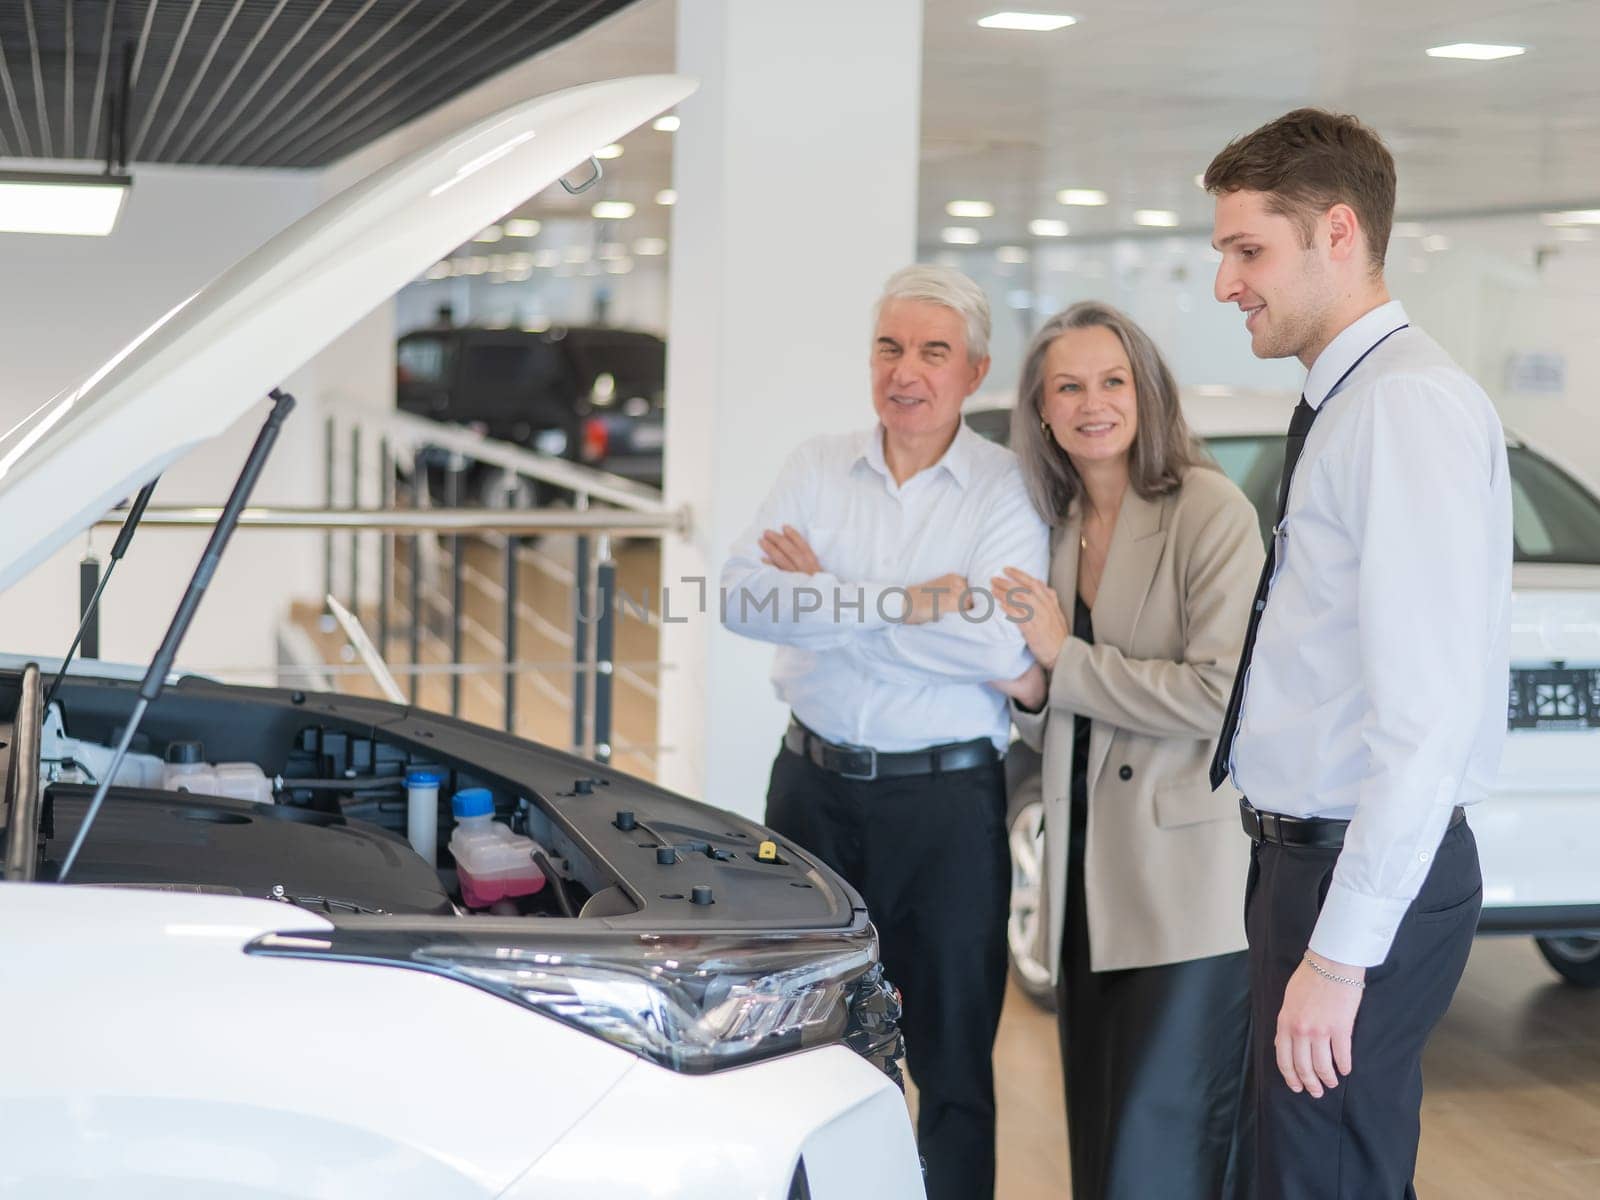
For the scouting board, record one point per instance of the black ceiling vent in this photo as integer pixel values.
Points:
(254, 83)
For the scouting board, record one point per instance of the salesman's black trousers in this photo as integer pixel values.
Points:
(928, 853)
(1359, 1140)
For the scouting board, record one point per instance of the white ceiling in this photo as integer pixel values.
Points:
(1136, 98)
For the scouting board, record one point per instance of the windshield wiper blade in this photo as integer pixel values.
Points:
(155, 677)
(124, 537)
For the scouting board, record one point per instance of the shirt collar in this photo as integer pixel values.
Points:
(956, 460)
(1352, 342)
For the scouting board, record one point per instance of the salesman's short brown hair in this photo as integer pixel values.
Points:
(1307, 161)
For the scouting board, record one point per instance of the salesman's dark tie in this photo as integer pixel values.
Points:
(1299, 425)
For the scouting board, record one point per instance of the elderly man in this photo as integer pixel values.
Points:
(857, 566)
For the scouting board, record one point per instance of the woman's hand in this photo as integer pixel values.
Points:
(1036, 609)
(1028, 689)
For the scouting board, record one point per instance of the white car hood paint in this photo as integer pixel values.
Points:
(204, 364)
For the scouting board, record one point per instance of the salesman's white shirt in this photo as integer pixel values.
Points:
(1377, 690)
(847, 664)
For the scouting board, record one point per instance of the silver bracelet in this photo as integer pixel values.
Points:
(1327, 974)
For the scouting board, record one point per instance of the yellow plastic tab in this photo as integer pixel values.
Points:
(767, 852)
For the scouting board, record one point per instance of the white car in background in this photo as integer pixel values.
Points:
(246, 977)
(1538, 832)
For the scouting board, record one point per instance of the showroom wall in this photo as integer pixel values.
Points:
(1512, 298)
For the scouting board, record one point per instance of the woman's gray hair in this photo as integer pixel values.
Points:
(946, 286)
(1163, 448)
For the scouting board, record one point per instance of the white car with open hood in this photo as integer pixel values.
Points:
(267, 991)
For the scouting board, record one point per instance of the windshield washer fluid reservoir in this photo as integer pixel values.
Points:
(492, 862)
(187, 771)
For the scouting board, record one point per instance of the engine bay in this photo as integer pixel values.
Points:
(318, 801)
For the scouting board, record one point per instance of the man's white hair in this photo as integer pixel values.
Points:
(946, 286)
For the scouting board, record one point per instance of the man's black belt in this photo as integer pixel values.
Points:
(1323, 833)
(865, 763)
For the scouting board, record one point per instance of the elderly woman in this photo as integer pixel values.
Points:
(1154, 560)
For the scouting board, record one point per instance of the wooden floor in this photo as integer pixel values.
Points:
(1512, 1109)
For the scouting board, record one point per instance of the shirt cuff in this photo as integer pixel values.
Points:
(1356, 929)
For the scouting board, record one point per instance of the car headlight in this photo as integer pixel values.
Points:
(689, 1002)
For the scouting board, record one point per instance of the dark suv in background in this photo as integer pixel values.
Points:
(589, 394)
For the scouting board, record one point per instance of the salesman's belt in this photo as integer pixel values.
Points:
(1321, 832)
(863, 762)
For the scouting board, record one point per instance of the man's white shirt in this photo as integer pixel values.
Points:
(848, 665)
(1377, 689)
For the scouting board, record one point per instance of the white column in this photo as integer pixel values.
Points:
(796, 173)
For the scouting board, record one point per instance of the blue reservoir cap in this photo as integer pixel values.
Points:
(472, 802)
(424, 777)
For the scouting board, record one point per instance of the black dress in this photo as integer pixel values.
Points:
(1153, 1057)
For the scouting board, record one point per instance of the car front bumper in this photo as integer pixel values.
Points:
(738, 1135)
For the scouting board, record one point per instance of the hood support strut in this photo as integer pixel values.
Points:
(161, 665)
(124, 537)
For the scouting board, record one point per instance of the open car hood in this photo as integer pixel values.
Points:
(204, 364)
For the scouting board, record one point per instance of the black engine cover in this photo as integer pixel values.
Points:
(321, 861)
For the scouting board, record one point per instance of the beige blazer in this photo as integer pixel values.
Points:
(1165, 859)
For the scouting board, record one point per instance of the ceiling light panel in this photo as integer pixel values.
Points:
(611, 210)
(1028, 22)
(667, 124)
(609, 152)
(1476, 51)
(1155, 218)
(1045, 227)
(969, 209)
(37, 202)
(1082, 197)
(959, 235)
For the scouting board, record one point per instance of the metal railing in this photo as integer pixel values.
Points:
(432, 558)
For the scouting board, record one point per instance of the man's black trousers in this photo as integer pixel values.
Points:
(929, 855)
(1359, 1141)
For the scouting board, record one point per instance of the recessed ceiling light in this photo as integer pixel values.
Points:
(546, 258)
(1435, 242)
(1577, 216)
(611, 251)
(666, 197)
(1012, 254)
(666, 124)
(1155, 218)
(969, 208)
(619, 266)
(491, 234)
(1407, 229)
(522, 228)
(959, 235)
(1476, 51)
(611, 210)
(51, 202)
(441, 270)
(1030, 22)
(608, 152)
(649, 247)
(1082, 197)
(1047, 228)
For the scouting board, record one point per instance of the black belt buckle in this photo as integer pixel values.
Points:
(1250, 818)
(872, 765)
